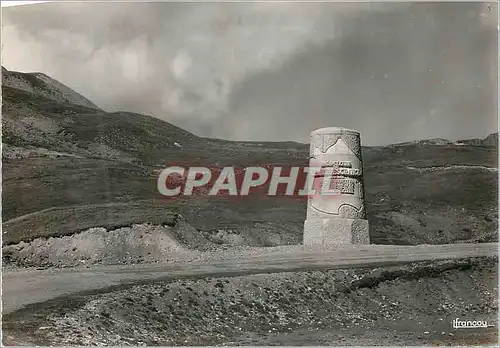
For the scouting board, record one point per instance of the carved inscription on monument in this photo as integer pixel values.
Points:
(335, 179)
(342, 186)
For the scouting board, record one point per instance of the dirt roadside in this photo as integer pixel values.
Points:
(413, 304)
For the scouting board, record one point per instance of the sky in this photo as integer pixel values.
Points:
(19, 3)
(272, 70)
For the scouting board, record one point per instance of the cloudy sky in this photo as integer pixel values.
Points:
(272, 70)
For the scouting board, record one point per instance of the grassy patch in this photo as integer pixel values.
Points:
(62, 221)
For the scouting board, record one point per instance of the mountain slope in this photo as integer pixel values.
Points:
(75, 157)
(44, 85)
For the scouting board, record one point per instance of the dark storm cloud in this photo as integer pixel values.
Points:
(426, 71)
(259, 70)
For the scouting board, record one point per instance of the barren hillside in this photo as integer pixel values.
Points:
(69, 166)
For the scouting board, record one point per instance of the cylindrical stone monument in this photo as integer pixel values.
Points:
(336, 215)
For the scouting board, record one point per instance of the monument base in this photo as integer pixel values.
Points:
(336, 231)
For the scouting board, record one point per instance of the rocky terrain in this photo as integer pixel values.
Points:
(404, 305)
(79, 188)
(43, 85)
(490, 140)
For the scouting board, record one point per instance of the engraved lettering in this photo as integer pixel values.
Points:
(349, 171)
(342, 186)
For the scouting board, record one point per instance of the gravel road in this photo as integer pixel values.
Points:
(22, 287)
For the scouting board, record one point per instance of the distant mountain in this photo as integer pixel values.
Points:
(490, 140)
(45, 86)
(433, 141)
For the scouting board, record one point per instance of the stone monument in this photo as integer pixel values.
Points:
(336, 214)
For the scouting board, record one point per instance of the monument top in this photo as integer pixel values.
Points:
(327, 130)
